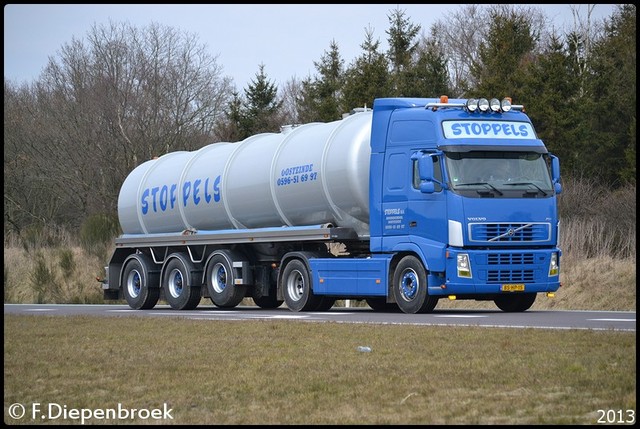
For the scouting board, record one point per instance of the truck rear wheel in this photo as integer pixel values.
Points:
(137, 283)
(515, 303)
(296, 283)
(410, 287)
(223, 291)
(178, 284)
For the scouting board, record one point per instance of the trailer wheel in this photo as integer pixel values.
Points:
(296, 283)
(269, 301)
(220, 280)
(410, 287)
(515, 303)
(381, 304)
(179, 286)
(136, 285)
(325, 304)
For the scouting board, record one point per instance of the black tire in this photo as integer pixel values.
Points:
(220, 280)
(410, 287)
(325, 304)
(179, 284)
(140, 286)
(381, 304)
(269, 301)
(296, 286)
(515, 303)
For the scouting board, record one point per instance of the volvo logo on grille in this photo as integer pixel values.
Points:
(511, 232)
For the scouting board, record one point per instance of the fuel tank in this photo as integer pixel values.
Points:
(311, 174)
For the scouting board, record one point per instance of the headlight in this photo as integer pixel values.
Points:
(463, 265)
(553, 265)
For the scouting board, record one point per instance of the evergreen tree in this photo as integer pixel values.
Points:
(263, 105)
(402, 46)
(551, 94)
(321, 97)
(429, 76)
(505, 53)
(612, 87)
(257, 112)
(229, 129)
(368, 76)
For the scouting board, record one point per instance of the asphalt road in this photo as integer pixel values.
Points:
(594, 320)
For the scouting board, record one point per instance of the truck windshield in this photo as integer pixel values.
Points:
(491, 173)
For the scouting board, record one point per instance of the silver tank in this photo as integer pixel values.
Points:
(312, 174)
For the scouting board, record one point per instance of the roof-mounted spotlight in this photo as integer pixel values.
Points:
(472, 105)
(494, 105)
(483, 105)
(505, 105)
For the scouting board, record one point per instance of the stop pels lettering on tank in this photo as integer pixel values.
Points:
(161, 198)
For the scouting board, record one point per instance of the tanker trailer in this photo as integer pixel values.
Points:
(379, 206)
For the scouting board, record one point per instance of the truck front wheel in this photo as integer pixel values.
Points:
(296, 283)
(410, 287)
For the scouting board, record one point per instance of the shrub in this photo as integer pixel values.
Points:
(97, 232)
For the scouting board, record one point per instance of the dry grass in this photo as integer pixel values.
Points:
(46, 276)
(598, 283)
(293, 372)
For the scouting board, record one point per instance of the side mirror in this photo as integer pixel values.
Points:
(555, 174)
(425, 171)
(425, 167)
(427, 187)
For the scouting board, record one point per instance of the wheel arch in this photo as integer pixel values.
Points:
(397, 257)
(230, 255)
(192, 270)
(152, 270)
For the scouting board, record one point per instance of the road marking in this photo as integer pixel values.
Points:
(468, 316)
(279, 317)
(41, 309)
(614, 320)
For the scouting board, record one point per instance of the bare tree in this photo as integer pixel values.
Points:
(114, 100)
(289, 94)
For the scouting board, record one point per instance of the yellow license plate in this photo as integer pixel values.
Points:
(512, 287)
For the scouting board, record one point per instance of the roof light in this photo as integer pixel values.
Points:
(506, 104)
(472, 105)
(444, 99)
(494, 104)
(483, 104)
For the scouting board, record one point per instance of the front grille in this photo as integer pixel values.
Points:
(510, 276)
(510, 258)
(509, 232)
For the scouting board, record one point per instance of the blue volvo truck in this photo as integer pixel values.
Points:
(401, 205)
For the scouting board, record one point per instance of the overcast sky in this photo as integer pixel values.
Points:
(287, 39)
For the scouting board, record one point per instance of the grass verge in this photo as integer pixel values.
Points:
(293, 372)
